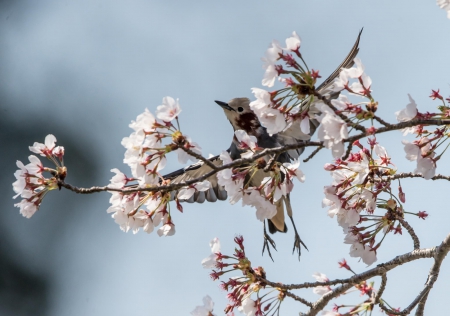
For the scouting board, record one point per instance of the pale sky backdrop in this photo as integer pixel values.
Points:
(82, 70)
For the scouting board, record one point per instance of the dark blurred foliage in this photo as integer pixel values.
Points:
(26, 274)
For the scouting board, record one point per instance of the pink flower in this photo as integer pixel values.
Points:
(246, 142)
(44, 149)
(169, 110)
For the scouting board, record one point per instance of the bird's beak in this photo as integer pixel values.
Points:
(225, 106)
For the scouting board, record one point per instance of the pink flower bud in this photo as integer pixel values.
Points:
(422, 214)
(371, 130)
(401, 195)
(357, 143)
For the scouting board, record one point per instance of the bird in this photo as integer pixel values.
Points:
(241, 117)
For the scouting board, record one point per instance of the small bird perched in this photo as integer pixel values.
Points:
(241, 117)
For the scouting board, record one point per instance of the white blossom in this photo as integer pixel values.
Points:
(169, 109)
(206, 309)
(408, 113)
(44, 149)
(293, 42)
(272, 119)
(210, 261)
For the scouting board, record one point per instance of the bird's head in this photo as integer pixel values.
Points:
(241, 116)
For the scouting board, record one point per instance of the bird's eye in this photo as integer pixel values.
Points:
(240, 109)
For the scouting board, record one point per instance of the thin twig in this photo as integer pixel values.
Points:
(411, 232)
(298, 298)
(197, 156)
(313, 153)
(404, 175)
(348, 151)
(381, 121)
(271, 162)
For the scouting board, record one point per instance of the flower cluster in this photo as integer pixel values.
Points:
(291, 107)
(145, 153)
(423, 150)
(265, 193)
(30, 182)
(146, 156)
(359, 185)
(242, 288)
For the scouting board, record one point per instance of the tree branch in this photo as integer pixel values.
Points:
(410, 231)
(438, 253)
(199, 157)
(313, 153)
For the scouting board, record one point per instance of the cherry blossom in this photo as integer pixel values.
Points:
(367, 255)
(271, 56)
(246, 142)
(321, 290)
(144, 121)
(249, 307)
(119, 180)
(340, 82)
(183, 156)
(332, 130)
(169, 110)
(293, 42)
(206, 309)
(210, 261)
(264, 208)
(187, 192)
(270, 118)
(232, 184)
(408, 113)
(168, 229)
(445, 5)
(292, 169)
(44, 149)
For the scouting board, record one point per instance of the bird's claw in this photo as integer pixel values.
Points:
(268, 242)
(298, 243)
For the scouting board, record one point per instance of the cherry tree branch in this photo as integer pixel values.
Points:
(197, 156)
(404, 175)
(381, 121)
(410, 231)
(381, 289)
(438, 253)
(313, 153)
(267, 151)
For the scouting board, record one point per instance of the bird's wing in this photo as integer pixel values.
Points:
(293, 134)
(216, 192)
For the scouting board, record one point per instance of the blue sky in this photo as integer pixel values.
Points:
(87, 68)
